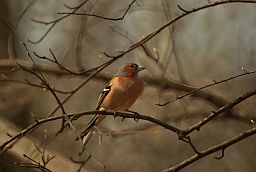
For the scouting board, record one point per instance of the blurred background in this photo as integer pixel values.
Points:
(212, 44)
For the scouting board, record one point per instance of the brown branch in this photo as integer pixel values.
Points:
(99, 16)
(9, 65)
(157, 31)
(11, 35)
(54, 60)
(30, 165)
(79, 42)
(211, 150)
(188, 140)
(41, 77)
(82, 163)
(53, 22)
(130, 39)
(35, 164)
(214, 114)
(180, 133)
(75, 116)
(98, 69)
(29, 83)
(221, 156)
(206, 86)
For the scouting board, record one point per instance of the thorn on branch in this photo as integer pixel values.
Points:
(9, 135)
(163, 104)
(136, 115)
(95, 15)
(53, 55)
(187, 139)
(107, 55)
(115, 114)
(44, 35)
(244, 70)
(181, 134)
(81, 162)
(221, 156)
(182, 9)
(69, 7)
(198, 128)
(55, 21)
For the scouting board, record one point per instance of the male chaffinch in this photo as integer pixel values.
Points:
(121, 93)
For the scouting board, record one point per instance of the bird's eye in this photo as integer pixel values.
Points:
(134, 65)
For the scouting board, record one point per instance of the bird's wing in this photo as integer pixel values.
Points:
(103, 94)
(92, 122)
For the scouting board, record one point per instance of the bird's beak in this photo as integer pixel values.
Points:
(140, 68)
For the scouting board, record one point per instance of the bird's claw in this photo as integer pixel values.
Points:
(136, 116)
(115, 114)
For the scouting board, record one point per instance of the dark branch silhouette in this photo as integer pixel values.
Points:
(211, 150)
(99, 16)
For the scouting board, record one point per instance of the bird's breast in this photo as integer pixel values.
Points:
(123, 94)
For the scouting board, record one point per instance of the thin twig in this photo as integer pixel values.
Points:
(214, 114)
(99, 16)
(54, 60)
(41, 77)
(75, 116)
(211, 150)
(54, 22)
(221, 156)
(167, 84)
(98, 69)
(157, 31)
(29, 83)
(188, 140)
(206, 86)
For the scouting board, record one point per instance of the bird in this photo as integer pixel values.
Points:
(119, 95)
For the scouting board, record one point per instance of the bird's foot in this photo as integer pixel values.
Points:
(136, 115)
(115, 113)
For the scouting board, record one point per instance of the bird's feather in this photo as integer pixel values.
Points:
(91, 123)
(103, 94)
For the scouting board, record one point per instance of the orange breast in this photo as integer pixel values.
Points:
(124, 92)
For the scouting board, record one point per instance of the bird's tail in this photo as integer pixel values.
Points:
(87, 132)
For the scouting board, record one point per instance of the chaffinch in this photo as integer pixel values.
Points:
(121, 93)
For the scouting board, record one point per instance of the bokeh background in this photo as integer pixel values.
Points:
(212, 44)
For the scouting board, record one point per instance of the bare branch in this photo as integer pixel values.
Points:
(211, 150)
(98, 69)
(75, 116)
(166, 84)
(29, 83)
(82, 163)
(41, 77)
(99, 16)
(33, 164)
(206, 86)
(54, 22)
(221, 156)
(54, 60)
(188, 140)
(157, 31)
(214, 114)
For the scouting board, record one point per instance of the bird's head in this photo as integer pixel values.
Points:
(130, 69)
